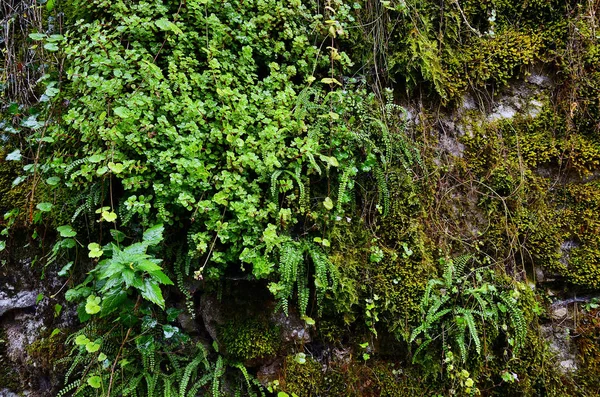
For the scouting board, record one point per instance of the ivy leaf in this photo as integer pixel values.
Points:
(101, 357)
(166, 25)
(169, 331)
(95, 381)
(330, 160)
(92, 347)
(96, 158)
(15, 155)
(116, 168)
(66, 231)
(44, 207)
(92, 305)
(172, 314)
(109, 216)
(81, 340)
(95, 250)
(151, 292)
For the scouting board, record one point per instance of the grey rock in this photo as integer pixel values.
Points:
(21, 300)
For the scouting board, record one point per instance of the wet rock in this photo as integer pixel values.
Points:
(293, 328)
(21, 300)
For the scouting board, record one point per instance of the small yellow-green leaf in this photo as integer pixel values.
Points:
(92, 305)
(95, 250)
(44, 207)
(328, 203)
(109, 216)
(95, 381)
(81, 340)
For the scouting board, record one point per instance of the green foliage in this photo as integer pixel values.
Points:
(246, 339)
(461, 306)
(294, 272)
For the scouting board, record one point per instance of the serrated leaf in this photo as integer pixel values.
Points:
(44, 207)
(15, 155)
(154, 235)
(161, 277)
(112, 302)
(66, 231)
(94, 381)
(151, 292)
(148, 266)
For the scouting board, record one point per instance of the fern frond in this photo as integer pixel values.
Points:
(467, 316)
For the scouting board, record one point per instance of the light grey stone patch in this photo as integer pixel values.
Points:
(21, 300)
(503, 111)
(540, 80)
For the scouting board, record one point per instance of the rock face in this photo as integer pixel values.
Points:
(21, 300)
(27, 314)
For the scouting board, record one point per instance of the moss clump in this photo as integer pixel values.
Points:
(46, 351)
(247, 339)
(8, 374)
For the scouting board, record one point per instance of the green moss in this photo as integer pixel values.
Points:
(11, 196)
(305, 379)
(10, 377)
(47, 350)
(247, 339)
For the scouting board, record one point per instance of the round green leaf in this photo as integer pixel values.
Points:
(94, 381)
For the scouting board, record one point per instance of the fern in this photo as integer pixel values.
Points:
(467, 316)
(218, 372)
(517, 321)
